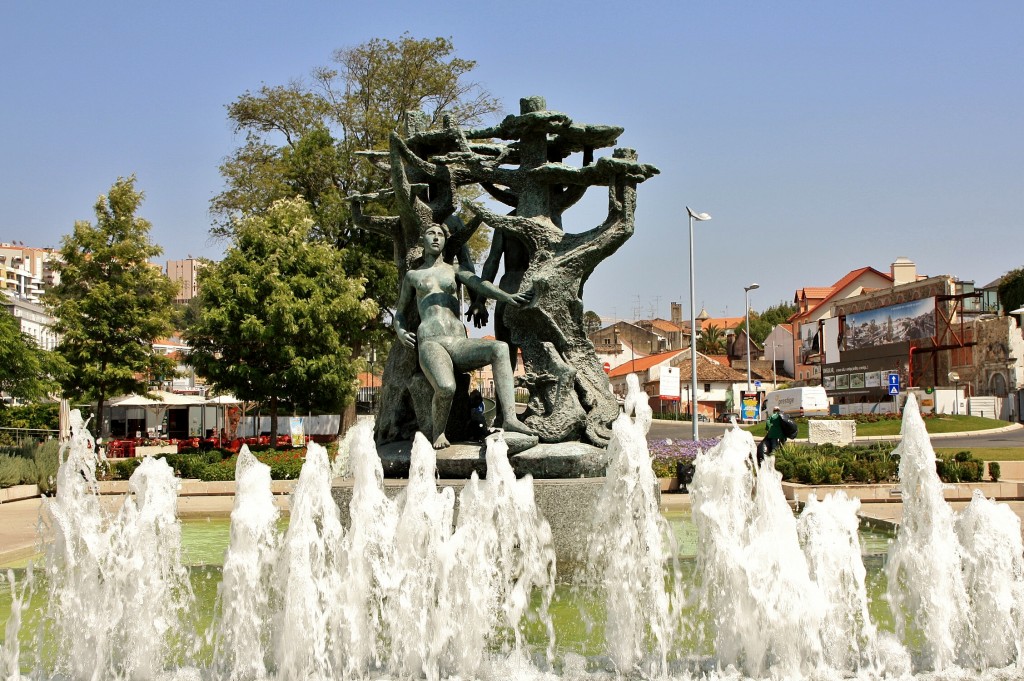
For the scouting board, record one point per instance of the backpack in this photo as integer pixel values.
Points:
(789, 427)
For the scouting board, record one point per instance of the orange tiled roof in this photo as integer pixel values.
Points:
(664, 325)
(815, 293)
(722, 323)
(643, 363)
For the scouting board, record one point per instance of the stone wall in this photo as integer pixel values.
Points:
(831, 432)
(998, 356)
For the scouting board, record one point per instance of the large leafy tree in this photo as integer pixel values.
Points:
(1011, 290)
(278, 315)
(302, 139)
(111, 304)
(26, 370)
(762, 323)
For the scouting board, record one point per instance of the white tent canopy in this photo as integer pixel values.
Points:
(161, 398)
(224, 399)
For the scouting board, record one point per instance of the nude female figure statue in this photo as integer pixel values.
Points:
(441, 341)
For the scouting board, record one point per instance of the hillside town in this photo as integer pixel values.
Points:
(951, 342)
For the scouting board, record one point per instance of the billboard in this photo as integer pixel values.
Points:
(892, 324)
(750, 405)
(668, 385)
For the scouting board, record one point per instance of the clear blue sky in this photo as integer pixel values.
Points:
(821, 136)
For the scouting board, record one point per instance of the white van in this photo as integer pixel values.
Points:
(796, 402)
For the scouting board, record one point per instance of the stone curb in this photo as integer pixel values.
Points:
(940, 436)
(18, 492)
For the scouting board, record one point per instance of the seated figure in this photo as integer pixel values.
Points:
(442, 344)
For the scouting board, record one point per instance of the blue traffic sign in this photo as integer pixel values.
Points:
(894, 389)
(894, 379)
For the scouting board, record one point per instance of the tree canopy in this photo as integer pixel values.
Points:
(711, 340)
(279, 315)
(302, 140)
(26, 370)
(111, 304)
(1011, 290)
(762, 323)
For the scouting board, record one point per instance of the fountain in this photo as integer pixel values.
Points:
(416, 589)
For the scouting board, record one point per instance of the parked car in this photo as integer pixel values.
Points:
(728, 416)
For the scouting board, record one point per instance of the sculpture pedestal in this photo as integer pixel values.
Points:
(567, 504)
(542, 461)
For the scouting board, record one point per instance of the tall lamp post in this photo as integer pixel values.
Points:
(746, 312)
(700, 217)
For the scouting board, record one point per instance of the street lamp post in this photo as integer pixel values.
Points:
(774, 382)
(746, 312)
(700, 217)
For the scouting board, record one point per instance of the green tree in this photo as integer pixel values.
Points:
(762, 323)
(278, 314)
(591, 322)
(711, 341)
(26, 370)
(1011, 290)
(303, 139)
(111, 304)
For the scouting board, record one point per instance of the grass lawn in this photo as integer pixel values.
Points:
(985, 453)
(946, 423)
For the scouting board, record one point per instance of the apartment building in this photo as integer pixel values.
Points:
(25, 272)
(184, 273)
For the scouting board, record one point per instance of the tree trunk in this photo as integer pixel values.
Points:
(348, 418)
(273, 421)
(98, 426)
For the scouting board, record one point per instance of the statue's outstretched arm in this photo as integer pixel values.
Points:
(489, 290)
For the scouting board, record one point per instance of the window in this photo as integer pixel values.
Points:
(707, 387)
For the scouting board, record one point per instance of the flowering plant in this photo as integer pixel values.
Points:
(666, 455)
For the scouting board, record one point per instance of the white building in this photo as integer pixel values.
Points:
(33, 319)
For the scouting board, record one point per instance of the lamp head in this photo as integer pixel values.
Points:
(751, 287)
(697, 216)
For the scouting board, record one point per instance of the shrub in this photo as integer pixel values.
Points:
(994, 470)
(122, 470)
(47, 459)
(17, 470)
(961, 467)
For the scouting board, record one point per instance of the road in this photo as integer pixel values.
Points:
(680, 430)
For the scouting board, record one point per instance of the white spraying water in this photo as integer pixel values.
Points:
(926, 585)
(631, 552)
(407, 594)
(994, 579)
(828, 533)
(309, 573)
(784, 598)
(118, 592)
(249, 588)
(955, 580)
(10, 652)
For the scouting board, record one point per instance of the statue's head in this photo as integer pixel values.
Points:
(433, 238)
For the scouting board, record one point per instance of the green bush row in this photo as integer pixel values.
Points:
(216, 465)
(865, 464)
(32, 464)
